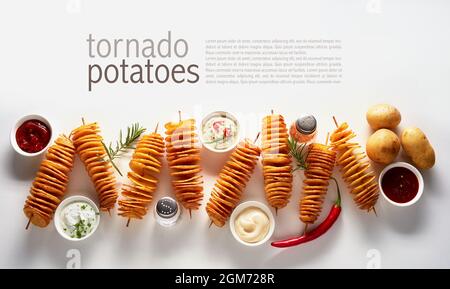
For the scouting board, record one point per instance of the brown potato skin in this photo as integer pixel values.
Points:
(383, 116)
(417, 146)
(383, 146)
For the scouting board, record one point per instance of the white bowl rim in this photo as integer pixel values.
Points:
(228, 115)
(248, 204)
(63, 204)
(21, 121)
(416, 173)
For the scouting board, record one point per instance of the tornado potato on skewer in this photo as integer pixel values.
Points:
(183, 156)
(88, 144)
(50, 183)
(145, 167)
(355, 167)
(232, 181)
(276, 161)
(319, 168)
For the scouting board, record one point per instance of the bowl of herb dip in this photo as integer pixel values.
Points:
(220, 131)
(77, 218)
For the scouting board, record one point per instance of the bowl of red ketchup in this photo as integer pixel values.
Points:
(401, 184)
(31, 135)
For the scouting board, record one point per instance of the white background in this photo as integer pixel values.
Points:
(394, 51)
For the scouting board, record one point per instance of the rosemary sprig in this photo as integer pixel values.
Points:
(299, 153)
(133, 133)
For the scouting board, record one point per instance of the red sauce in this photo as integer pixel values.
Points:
(33, 136)
(400, 184)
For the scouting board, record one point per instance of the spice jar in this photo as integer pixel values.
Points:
(167, 212)
(304, 128)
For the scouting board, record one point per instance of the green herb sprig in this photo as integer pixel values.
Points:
(299, 153)
(133, 133)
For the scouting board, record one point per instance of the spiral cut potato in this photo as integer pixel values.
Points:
(276, 160)
(88, 144)
(50, 183)
(320, 164)
(355, 167)
(145, 167)
(183, 156)
(232, 180)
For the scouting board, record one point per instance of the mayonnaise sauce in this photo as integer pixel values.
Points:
(252, 225)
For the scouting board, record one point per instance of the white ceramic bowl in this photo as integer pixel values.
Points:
(63, 204)
(244, 206)
(412, 169)
(19, 123)
(227, 115)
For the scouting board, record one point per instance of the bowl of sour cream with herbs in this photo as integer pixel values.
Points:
(77, 218)
(220, 131)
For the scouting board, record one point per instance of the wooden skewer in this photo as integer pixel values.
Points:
(109, 212)
(156, 128)
(190, 214)
(328, 137)
(271, 111)
(375, 211)
(179, 115)
(82, 120)
(29, 221)
(128, 222)
(335, 121)
(306, 229)
(276, 211)
(210, 224)
(257, 137)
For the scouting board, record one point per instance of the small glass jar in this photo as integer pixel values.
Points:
(304, 129)
(167, 212)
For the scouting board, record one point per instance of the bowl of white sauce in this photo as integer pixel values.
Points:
(220, 131)
(252, 223)
(76, 218)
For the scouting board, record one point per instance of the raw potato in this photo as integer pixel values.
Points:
(416, 145)
(383, 146)
(383, 116)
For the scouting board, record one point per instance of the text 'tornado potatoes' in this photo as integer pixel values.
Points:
(383, 146)
(417, 146)
(383, 116)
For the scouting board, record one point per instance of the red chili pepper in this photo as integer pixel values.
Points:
(319, 230)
